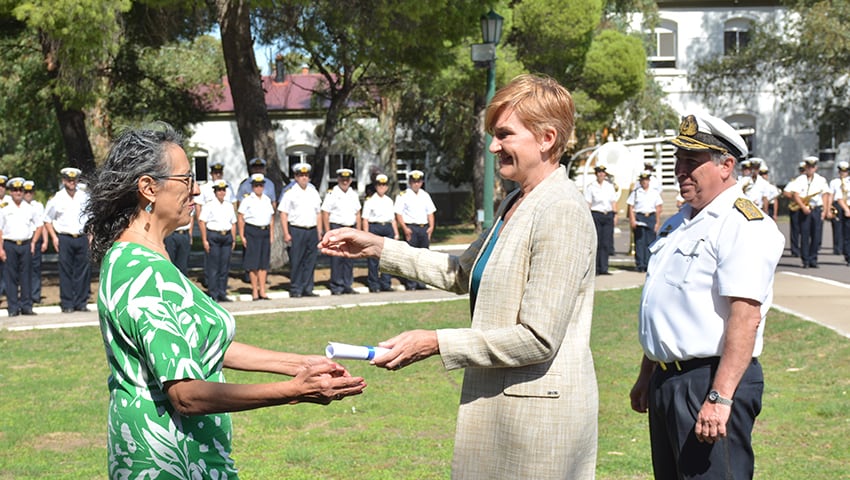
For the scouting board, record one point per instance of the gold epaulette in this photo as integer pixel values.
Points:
(748, 209)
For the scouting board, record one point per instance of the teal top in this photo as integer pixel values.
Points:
(478, 269)
(158, 326)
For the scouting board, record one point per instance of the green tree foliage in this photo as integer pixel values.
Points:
(804, 57)
(614, 72)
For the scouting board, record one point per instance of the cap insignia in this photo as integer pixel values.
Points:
(689, 126)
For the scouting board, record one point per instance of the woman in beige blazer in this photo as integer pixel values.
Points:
(528, 407)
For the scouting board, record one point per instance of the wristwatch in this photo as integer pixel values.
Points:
(714, 397)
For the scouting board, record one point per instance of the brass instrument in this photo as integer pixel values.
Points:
(793, 206)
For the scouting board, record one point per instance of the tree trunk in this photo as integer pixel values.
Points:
(476, 148)
(388, 120)
(72, 121)
(249, 100)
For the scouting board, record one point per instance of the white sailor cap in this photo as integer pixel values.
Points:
(415, 175)
(646, 174)
(763, 168)
(29, 185)
(220, 184)
(843, 166)
(217, 165)
(600, 168)
(3, 179)
(344, 172)
(70, 173)
(381, 178)
(302, 167)
(16, 182)
(258, 178)
(810, 161)
(702, 133)
(257, 162)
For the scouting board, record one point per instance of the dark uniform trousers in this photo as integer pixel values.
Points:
(838, 237)
(36, 271)
(644, 236)
(302, 259)
(675, 398)
(794, 219)
(178, 245)
(342, 270)
(74, 271)
(376, 280)
(844, 225)
(604, 239)
(811, 233)
(418, 238)
(18, 275)
(217, 264)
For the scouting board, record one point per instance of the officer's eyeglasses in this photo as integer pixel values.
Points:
(190, 176)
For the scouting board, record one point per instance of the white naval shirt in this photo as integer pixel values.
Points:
(218, 216)
(644, 201)
(695, 266)
(18, 222)
(414, 208)
(815, 188)
(379, 209)
(256, 210)
(835, 188)
(301, 205)
(39, 211)
(600, 197)
(342, 207)
(66, 212)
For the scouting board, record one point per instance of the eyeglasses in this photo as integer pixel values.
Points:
(16, 189)
(190, 176)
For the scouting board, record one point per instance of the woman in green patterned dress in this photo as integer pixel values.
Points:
(166, 341)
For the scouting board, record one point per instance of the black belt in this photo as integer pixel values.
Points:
(264, 227)
(182, 232)
(687, 365)
(221, 232)
(301, 228)
(647, 214)
(418, 224)
(380, 223)
(72, 235)
(18, 242)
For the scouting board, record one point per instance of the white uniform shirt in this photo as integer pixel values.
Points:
(207, 194)
(256, 210)
(814, 188)
(771, 191)
(600, 197)
(644, 201)
(66, 212)
(694, 267)
(39, 211)
(379, 209)
(19, 221)
(414, 208)
(755, 190)
(837, 192)
(219, 216)
(342, 207)
(301, 205)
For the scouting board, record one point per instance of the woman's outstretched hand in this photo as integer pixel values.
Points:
(350, 243)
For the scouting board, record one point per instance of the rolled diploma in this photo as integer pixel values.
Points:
(353, 352)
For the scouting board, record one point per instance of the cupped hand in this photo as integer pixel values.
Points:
(322, 383)
(350, 243)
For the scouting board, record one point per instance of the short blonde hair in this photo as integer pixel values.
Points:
(539, 102)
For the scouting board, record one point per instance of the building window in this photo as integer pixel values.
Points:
(746, 126)
(736, 35)
(662, 46)
(337, 161)
(409, 160)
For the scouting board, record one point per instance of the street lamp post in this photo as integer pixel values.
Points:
(484, 55)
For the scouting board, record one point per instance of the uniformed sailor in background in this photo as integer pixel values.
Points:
(701, 320)
(601, 197)
(207, 194)
(654, 180)
(256, 165)
(64, 220)
(255, 223)
(217, 226)
(341, 208)
(379, 218)
(414, 212)
(771, 192)
(644, 204)
(301, 218)
(809, 194)
(4, 199)
(19, 220)
(840, 187)
(40, 243)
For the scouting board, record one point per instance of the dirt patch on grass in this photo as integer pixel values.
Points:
(62, 442)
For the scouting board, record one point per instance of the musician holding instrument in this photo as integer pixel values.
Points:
(809, 194)
(839, 188)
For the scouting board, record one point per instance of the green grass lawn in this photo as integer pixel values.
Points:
(53, 401)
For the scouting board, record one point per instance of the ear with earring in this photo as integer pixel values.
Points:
(149, 207)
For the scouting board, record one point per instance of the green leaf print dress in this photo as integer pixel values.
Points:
(158, 326)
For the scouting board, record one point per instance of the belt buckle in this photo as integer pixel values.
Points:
(675, 363)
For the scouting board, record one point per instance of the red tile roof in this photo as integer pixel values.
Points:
(294, 93)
